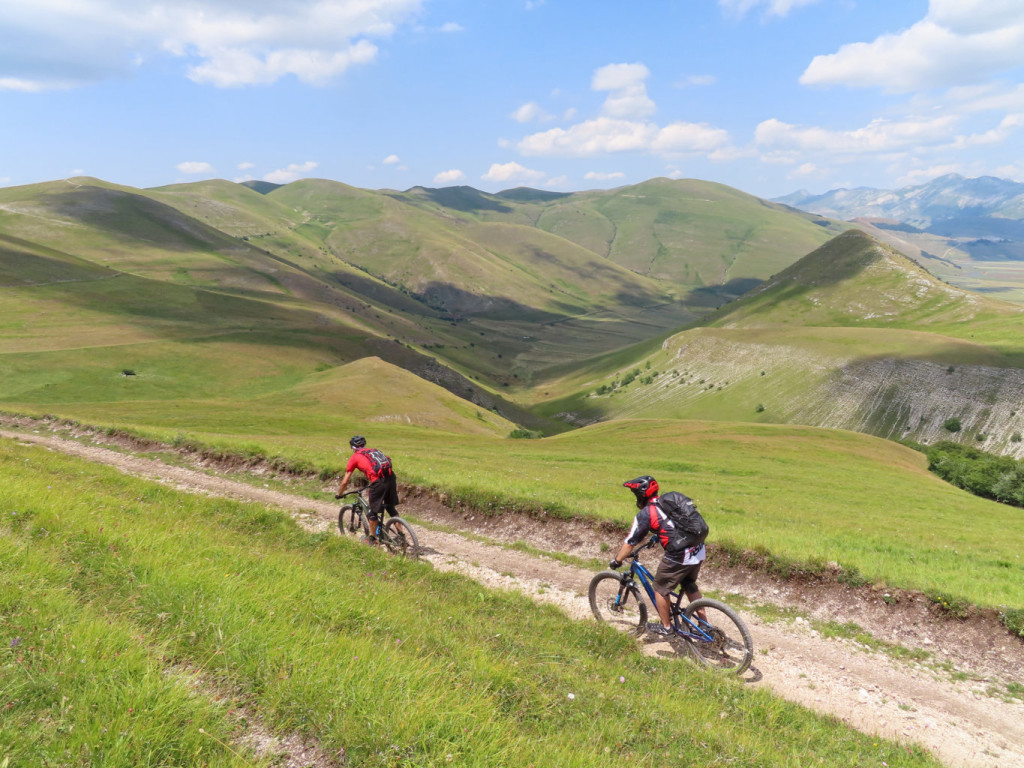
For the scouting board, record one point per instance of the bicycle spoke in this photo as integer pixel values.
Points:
(721, 641)
(619, 606)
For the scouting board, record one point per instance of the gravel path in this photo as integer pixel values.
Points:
(958, 721)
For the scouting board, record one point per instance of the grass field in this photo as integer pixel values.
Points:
(136, 619)
(803, 495)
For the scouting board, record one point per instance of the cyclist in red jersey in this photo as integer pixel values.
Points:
(382, 493)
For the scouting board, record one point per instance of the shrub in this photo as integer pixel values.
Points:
(1013, 620)
(1015, 438)
(954, 606)
(525, 434)
(952, 425)
(760, 408)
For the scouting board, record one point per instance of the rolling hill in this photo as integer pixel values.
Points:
(970, 232)
(853, 336)
(496, 290)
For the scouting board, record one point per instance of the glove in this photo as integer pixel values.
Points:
(614, 564)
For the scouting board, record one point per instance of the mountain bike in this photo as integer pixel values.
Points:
(395, 534)
(713, 632)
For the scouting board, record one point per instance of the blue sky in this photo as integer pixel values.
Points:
(768, 96)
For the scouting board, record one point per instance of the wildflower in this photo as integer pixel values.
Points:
(572, 696)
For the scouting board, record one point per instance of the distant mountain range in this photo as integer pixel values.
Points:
(969, 232)
(946, 205)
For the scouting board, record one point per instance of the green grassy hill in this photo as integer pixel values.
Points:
(147, 626)
(491, 286)
(852, 336)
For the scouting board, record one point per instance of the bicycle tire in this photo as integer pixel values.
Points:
(399, 543)
(731, 648)
(616, 603)
(351, 522)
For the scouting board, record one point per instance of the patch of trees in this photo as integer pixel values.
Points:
(982, 473)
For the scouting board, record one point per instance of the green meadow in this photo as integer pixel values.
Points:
(805, 496)
(139, 622)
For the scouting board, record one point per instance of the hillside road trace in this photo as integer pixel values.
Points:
(956, 716)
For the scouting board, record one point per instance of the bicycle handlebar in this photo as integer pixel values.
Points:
(650, 543)
(358, 492)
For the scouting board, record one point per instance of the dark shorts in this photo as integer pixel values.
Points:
(382, 493)
(671, 573)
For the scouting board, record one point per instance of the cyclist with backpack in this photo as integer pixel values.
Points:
(382, 492)
(681, 530)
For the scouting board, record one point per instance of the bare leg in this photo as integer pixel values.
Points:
(696, 595)
(664, 609)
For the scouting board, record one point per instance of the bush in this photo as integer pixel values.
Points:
(525, 434)
(1013, 620)
(954, 606)
(952, 425)
(760, 408)
(984, 474)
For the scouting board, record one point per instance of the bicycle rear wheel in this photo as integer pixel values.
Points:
(617, 603)
(400, 539)
(351, 522)
(730, 647)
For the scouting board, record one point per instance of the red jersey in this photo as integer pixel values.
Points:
(359, 460)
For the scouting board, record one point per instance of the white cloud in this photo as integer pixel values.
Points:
(605, 135)
(390, 160)
(5, 180)
(806, 169)
(245, 166)
(557, 181)
(512, 172)
(452, 26)
(194, 167)
(61, 43)
(291, 173)
(774, 7)
(877, 137)
(627, 96)
(449, 177)
(529, 112)
(601, 176)
(621, 127)
(958, 42)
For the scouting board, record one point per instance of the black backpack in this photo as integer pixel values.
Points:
(378, 460)
(681, 510)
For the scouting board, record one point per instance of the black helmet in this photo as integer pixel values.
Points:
(357, 441)
(644, 488)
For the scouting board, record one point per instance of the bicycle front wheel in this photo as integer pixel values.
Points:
(400, 539)
(351, 522)
(721, 639)
(618, 603)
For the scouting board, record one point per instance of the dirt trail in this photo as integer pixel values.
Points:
(953, 715)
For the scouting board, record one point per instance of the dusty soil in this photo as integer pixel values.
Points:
(947, 704)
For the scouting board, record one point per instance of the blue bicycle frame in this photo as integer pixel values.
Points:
(691, 630)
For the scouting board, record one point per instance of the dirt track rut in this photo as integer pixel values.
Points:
(957, 720)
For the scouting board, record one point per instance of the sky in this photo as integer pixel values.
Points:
(768, 96)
